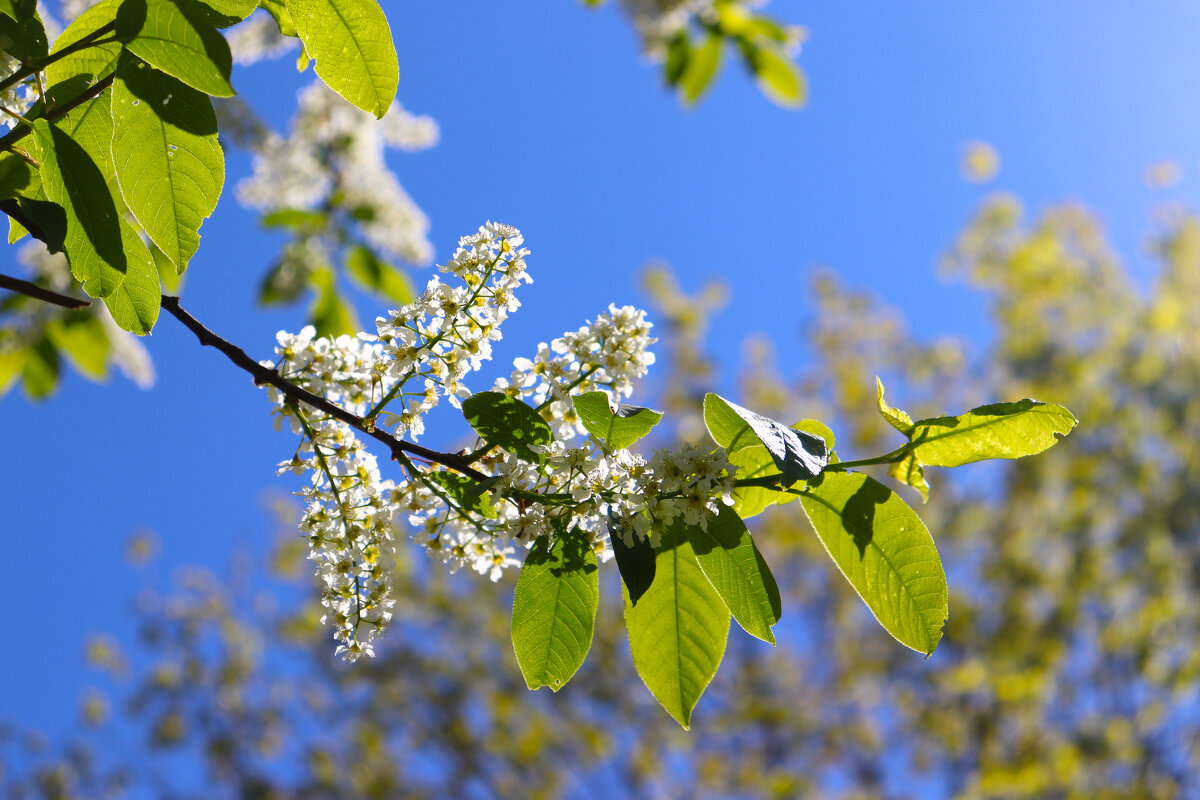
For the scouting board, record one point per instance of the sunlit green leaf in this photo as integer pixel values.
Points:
(223, 13)
(756, 462)
(554, 609)
(736, 569)
(618, 428)
(283, 18)
(507, 422)
(702, 65)
(352, 45)
(885, 551)
(1000, 430)
(462, 491)
(135, 303)
(175, 40)
(168, 163)
(677, 632)
(778, 77)
(12, 362)
(16, 176)
(900, 420)
(94, 62)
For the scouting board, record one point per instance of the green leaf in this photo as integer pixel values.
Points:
(678, 52)
(296, 219)
(168, 162)
(756, 462)
(618, 428)
(135, 303)
(373, 275)
(507, 422)
(910, 472)
(329, 312)
(799, 455)
(885, 551)
(778, 77)
(16, 231)
(17, 178)
(352, 45)
(635, 562)
(94, 240)
(677, 633)
(736, 569)
(82, 338)
(170, 277)
(24, 39)
(701, 67)
(178, 42)
(283, 17)
(1000, 430)
(40, 368)
(900, 420)
(222, 13)
(96, 62)
(12, 362)
(554, 609)
(464, 492)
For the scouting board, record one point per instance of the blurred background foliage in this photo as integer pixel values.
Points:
(1069, 667)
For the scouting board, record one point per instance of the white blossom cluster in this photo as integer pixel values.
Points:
(423, 352)
(657, 21)
(257, 38)
(18, 98)
(337, 148)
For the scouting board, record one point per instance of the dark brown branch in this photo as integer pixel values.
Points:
(33, 290)
(267, 375)
(21, 131)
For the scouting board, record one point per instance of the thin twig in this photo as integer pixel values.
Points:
(267, 375)
(21, 131)
(33, 290)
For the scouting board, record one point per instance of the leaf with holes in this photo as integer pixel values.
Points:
(168, 163)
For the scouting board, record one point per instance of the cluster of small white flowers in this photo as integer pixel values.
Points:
(335, 147)
(348, 519)
(421, 353)
(449, 331)
(429, 344)
(657, 21)
(257, 38)
(610, 353)
(17, 98)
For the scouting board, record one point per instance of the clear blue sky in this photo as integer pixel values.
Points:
(551, 122)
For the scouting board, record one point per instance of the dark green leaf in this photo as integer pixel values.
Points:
(738, 572)
(81, 337)
(799, 455)
(24, 39)
(554, 609)
(635, 562)
(17, 178)
(677, 633)
(507, 422)
(677, 58)
(39, 370)
(618, 428)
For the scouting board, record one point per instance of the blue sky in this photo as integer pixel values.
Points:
(551, 122)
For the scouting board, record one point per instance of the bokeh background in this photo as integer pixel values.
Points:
(978, 201)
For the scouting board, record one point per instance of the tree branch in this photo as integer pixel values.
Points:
(267, 375)
(33, 290)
